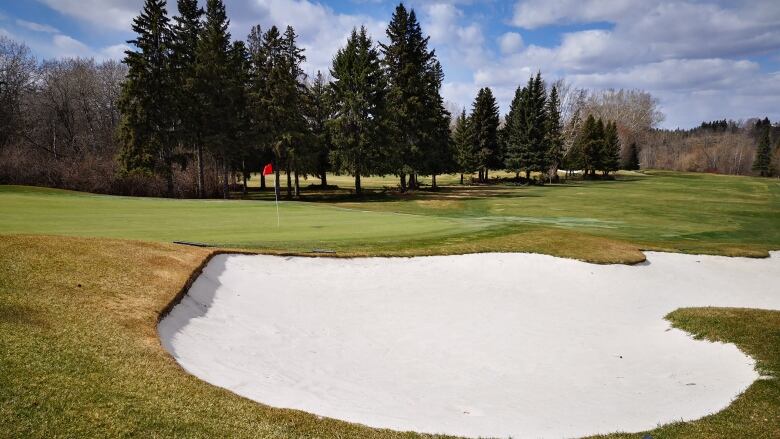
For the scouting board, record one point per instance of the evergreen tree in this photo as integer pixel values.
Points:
(632, 163)
(413, 92)
(240, 132)
(589, 146)
(535, 124)
(320, 112)
(763, 161)
(185, 34)
(463, 143)
(596, 149)
(360, 122)
(213, 84)
(610, 156)
(439, 156)
(257, 100)
(515, 140)
(295, 143)
(146, 128)
(554, 132)
(484, 122)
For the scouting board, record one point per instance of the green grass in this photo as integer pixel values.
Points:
(600, 221)
(79, 353)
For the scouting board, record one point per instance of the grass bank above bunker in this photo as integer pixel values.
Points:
(80, 354)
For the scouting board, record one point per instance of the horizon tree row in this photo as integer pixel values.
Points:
(190, 90)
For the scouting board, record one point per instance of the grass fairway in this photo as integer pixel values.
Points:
(80, 357)
(607, 221)
(79, 353)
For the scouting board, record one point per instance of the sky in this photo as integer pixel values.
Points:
(703, 59)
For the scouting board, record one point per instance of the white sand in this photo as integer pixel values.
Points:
(476, 345)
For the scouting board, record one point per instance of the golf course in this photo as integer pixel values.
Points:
(85, 279)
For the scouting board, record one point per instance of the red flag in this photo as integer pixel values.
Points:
(268, 170)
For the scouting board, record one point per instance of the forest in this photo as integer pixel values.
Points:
(192, 112)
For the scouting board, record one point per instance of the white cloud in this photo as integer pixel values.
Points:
(68, 47)
(36, 27)
(113, 14)
(510, 42)
(531, 14)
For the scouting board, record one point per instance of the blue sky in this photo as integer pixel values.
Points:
(703, 59)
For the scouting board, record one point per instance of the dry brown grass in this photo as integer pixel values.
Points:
(80, 354)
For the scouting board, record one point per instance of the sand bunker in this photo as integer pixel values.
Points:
(493, 345)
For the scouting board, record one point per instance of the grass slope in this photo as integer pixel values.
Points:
(80, 357)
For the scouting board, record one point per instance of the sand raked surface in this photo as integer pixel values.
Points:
(495, 345)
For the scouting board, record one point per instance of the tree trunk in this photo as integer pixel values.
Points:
(358, 188)
(461, 178)
(262, 181)
(243, 174)
(433, 181)
(528, 175)
(403, 182)
(199, 156)
(487, 178)
(297, 186)
(324, 179)
(479, 179)
(225, 188)
(289, 182)
(412, 181)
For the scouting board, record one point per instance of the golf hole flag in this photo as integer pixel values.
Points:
(268, 170)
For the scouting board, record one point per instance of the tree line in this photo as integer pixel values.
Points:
(193, 112)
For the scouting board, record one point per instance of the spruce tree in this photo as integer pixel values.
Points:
(554, 132)
(632, 162)
(413, 92)
(596, 150)
(320, 112)
(463, 143)
(146, 129)
(516, 154)
(294, 140)
(763, 161)
(360, 125)
(185, 33)
(610, 160)
(439, 156)
(484, 122)
(535, 123)
(589, 146)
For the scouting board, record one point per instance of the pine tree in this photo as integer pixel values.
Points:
(258, 99)
(185, 34)
(554, 132)
(463, 140)
(484, 122)
(320, 112)
(535, 123)
(610, 160)
(294, 143)
(596, 147)
(763, 161)
(588, 146)
(632, 162)
(213, 84)
(413, 91)
(516, 147)
(360, 122)
(146, 129)
(240, 130)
